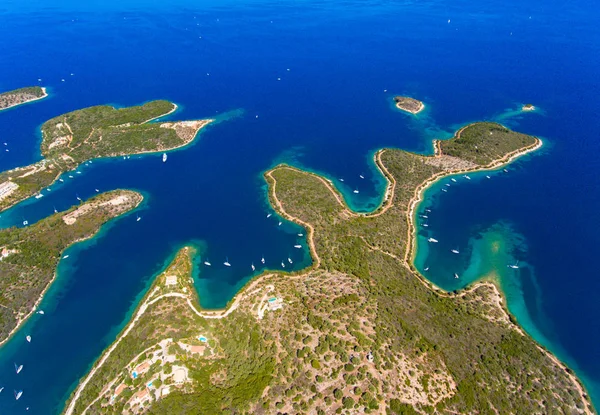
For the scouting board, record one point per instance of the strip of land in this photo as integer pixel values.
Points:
(29, 256)
(21, 96)
(359, 332)
(101, 131)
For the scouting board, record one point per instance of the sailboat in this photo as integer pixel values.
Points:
(514, 266)
(467, 177)
(28, 338)
(428, 210)
(432, 240)
(505, 171)
(447, 185)
(269, 215)
(426, 269)
(282, 264)
(97, 190)
(61, 180)
(356, 191)
(55, 211)
(78, 198)
(300, 234)
(262, 260)
(425, 216)
(444, 190)
(1, 389)
(18, 394)
(341, 180)
(298, 246)
(279, 224)
(253, 267)
(425, 225)
(207, 263)
(487, 177)
(138, 218)
(18, 368)
(25, 223)
(226, 263)
(453, 179)
(66, 256)
(164, 157)
(41, 312)
(455, 251)
(455, 275)
(290, 260)
(361, 176)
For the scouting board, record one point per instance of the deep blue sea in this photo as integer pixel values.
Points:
(308, 83)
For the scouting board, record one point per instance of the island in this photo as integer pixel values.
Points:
(101, 131)
(409, 104)
(360, 331)
(528, 107)
(21, 96)
(29, 256)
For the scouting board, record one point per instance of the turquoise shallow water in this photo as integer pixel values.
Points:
(328, 113)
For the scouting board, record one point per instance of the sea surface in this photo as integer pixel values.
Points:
(309, 83)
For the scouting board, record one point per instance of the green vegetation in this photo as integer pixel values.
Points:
(29, 255)
(484, 142)
(20, 96)
(362, 333)
(100, 131)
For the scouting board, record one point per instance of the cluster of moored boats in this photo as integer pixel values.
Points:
(425, 215)
(19, 367)
(355, 191)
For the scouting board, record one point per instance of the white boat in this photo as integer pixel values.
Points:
(300, 234)
(282, 264)
(226, 263)
(164, 157)
(444, 190)
(1, 389)
(361, 176)
(505, 171)
(253, 267)
(39, 196)
(97, 191)
(138, 219)
(262, 260)
(25, 223)
(78, 172)
(18, 394)
(426, 269)
(55, 211)
(28, 338)
(18, 368)
(356, 191)
(341, 180)
(269, 215)
(425, 216)
(467, 177)
(290, 260)
(447, 184)
(453, 179)
(70, 177)
(78, 198)
(279, 224)
(66, 256)
(426, 225)
(298, 246)
(428, 210)
(61, 180)
(455, 275)
(432, 240)
(514, 266)
(487, 177)
(41, 312)
(207, 263)
(455, 251)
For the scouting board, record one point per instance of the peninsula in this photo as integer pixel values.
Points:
(101, 131)
(29, 256)
(21, 96)
(358, 332)
(409, 104)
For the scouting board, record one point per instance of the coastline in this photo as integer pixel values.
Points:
(163, 115)
(28, 101)
(207, 121)
(387, 202)
(22, 320)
